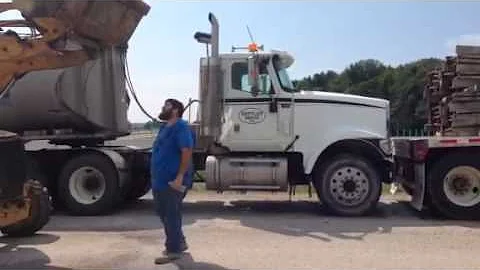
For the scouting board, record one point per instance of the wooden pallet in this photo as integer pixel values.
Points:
(452, 93)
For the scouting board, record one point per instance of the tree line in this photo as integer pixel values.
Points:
(402, 86)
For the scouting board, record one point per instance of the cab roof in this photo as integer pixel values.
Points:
(286, 59)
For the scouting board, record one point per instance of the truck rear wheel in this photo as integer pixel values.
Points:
(39, 217)
(88, 185)
(348, 185)
(138, 189)
(453, 186)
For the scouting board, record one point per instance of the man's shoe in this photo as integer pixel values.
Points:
(183, 247)
(169, 257)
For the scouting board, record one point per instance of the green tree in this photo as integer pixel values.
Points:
(402, 86)
(152, 125)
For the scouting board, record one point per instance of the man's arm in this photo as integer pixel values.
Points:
(184, 163)
(185, 142)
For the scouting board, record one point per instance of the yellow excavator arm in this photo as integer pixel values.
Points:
(55, 24)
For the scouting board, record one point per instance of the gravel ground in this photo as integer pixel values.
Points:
(259, 230)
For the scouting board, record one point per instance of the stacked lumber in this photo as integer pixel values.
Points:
(452, 94)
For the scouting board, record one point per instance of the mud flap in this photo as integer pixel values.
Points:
(418, 194)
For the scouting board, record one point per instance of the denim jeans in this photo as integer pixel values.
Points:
(168, 205)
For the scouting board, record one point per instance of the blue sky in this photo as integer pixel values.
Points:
(321, 35)
(163, 56)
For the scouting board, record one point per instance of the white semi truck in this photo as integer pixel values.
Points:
(254, 132)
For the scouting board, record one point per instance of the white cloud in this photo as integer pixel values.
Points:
(469, 39)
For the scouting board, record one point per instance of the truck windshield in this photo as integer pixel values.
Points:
(283, 76)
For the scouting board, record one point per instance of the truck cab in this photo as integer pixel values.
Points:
(257, 117)
(260, 133)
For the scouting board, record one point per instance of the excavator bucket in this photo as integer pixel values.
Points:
(90, 23)
(104, 22)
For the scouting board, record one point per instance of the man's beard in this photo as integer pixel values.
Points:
(165, 115)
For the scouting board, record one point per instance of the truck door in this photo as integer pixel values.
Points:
(254, 123)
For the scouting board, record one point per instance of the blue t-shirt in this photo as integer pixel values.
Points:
(166, 155)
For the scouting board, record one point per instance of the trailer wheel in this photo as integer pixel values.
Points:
(348, 185)
(88, 185)
(453, 186)
(138, 189)
(40, 215)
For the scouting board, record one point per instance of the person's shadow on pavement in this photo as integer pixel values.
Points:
(21, 252)
(187, 262)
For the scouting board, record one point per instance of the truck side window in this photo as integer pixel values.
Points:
(239, 75)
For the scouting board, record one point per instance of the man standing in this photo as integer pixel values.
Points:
(171, 174)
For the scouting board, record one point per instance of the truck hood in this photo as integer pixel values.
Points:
(338, 98)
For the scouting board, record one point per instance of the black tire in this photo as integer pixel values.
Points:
(41, 208)
(349, 169)
(35, 172)
(138, 188)
(104, 173)
(436, 197)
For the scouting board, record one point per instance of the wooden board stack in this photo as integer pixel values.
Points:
(452, 94)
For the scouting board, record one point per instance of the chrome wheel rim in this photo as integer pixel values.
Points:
(461, 186)
(87, 185)
(349, 186)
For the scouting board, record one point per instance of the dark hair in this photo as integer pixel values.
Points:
(176, 105)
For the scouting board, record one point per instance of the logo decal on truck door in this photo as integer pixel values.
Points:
(251, 116)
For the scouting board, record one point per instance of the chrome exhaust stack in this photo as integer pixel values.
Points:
(210, 90)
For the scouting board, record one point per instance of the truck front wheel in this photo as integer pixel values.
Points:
(348, 185)
(453, 186)
(88, 185)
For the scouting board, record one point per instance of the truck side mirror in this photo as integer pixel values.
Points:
(253, 75)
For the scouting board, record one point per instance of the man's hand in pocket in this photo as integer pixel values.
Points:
(177, 184)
